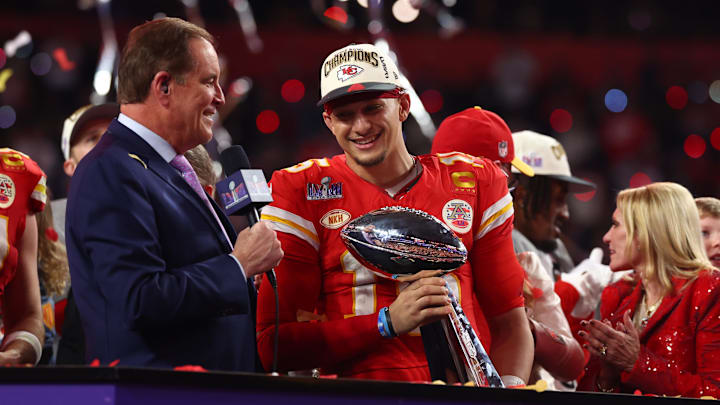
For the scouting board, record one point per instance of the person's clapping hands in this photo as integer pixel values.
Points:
(618, 347)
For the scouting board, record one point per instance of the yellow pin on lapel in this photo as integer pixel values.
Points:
(136, 157)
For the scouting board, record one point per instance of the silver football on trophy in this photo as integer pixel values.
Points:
(395, 241)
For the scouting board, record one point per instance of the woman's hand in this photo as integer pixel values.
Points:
(618, 347)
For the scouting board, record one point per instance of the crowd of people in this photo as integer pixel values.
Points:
(159, 276)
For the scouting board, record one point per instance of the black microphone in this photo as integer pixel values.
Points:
(244, 190)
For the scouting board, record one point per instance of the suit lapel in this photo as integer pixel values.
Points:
(140, 150)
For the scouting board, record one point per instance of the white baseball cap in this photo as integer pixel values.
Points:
(75, 122)
(546, 156)
(357, 68)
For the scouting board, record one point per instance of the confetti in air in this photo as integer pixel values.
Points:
(337, 14)
(61, 58)
(4, 76)
(22, 39)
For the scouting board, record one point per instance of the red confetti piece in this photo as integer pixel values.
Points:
(189, 367)
(3, 58)
(95, 363)
(114, 363)
(51, 234)
(62, 59)
(337, 14)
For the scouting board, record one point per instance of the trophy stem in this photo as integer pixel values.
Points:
(454, 351)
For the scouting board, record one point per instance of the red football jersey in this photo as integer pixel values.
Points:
(329, 301)
(22, 192)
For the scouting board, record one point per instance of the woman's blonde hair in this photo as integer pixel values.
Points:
(662, 222)
(52, 257)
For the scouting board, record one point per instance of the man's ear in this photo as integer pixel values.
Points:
(404, 102)
(161, 85)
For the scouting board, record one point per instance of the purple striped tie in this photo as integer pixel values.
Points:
(181, 164)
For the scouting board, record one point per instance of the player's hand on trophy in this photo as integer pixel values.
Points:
(423, 301)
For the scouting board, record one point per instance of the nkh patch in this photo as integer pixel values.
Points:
(326, 190)
(458, 215)
(7, 191)
(346, 72)
(335, 219)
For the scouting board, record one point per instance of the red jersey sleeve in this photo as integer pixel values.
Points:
(497, 275)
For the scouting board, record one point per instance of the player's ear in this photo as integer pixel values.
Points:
(404, 102)
(328, 120)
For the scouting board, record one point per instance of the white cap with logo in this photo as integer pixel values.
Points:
(75, 122)
(357, 68)
(546, 156)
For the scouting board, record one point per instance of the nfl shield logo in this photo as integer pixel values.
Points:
(502, 149)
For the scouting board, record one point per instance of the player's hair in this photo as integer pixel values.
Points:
(708, 207)
(538, 194)
(159, 45)
(52, 258)
(662, 223)
(202, 164)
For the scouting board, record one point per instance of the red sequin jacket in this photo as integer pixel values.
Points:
(679, 347)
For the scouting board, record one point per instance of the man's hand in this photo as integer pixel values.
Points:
(258, 249)
(422, 302)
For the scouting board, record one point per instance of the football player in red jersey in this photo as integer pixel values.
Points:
(22, 194)
(331, 306)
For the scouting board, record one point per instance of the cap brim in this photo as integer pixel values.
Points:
(357, 88)
(523, 167)
(573, 180)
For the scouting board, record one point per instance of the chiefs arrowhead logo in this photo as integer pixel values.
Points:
(346, 72)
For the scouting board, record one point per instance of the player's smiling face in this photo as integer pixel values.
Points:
(369, 129)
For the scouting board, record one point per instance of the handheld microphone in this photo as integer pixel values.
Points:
(242, 193)
(244, 190)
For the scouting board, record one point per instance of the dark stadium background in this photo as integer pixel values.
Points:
(548, 66)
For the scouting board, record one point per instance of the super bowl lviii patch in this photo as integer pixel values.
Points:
(326, 190)
(458, 215)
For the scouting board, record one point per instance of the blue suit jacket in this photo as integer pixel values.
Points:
(150, 268)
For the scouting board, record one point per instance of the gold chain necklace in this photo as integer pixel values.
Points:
(649, 311)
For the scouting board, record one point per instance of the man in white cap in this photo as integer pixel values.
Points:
(541, 212)
(541, 201)
(335, 313)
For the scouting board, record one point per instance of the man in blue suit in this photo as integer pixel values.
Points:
(160, 277)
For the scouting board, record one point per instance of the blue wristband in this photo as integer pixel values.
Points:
(383, 326)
